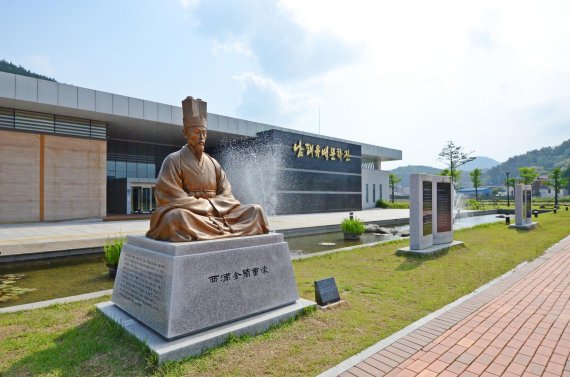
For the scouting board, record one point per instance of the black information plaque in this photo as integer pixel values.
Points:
(443, 207)
(426, 207)
(326, 292)
(528, 203)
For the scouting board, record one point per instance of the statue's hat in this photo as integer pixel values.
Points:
(194, 112)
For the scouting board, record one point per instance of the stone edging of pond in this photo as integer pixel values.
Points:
(63, 300)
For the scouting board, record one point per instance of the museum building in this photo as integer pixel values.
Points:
(68, 152)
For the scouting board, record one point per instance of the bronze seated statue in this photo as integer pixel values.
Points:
(193, 195)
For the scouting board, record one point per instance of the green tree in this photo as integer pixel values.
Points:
(509, 183)
(476, 180)
(557, 181)
(393, 179)
(453, 156)
(567, 176)
(528, 175)
(456, 179)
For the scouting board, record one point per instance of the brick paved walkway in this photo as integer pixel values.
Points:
(519, 326)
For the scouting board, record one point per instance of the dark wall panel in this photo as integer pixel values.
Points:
(313, 203)
(270, 172)
(312, 181)
(286, 140)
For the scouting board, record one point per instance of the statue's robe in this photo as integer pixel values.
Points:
(195, 202)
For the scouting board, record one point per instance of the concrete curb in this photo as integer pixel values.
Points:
(63, 300)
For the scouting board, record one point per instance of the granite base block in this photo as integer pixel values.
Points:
(523, 226)
(435, 249)
(178, 289)
(198, 343)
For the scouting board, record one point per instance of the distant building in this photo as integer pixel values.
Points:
(540, 185)
(68, 152)
(481, 191)
(549, 192)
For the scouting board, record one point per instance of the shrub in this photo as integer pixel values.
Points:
(399, 205)
(112, 249)
(396, 205)
(381, 204)
(473, 204)
(354, 226)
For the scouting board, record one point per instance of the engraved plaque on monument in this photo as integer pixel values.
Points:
(443, 207)
(326, 292)
(427, 207)
(528, 203)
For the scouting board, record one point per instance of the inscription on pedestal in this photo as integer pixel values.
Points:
(443, 207)
(245, 273)
(142, 281)
(427, 208)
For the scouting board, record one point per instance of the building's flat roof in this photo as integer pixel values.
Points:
(137, 119)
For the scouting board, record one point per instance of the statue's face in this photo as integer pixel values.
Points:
(196, 137)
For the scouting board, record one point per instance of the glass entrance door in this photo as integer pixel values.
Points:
(142, 199)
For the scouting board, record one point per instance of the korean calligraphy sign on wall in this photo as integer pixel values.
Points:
(316, 151)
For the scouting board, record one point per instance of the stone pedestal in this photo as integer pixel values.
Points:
(198, 343)
(177, 289)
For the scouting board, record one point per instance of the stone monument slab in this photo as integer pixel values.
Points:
(421, 207)
(431, 213)
(183, 288)
(443, 211)
(523, 207)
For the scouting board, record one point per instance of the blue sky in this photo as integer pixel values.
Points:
(491, 76)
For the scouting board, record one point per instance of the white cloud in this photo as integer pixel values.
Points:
(264, 98)
(232, 46)
(490, 76)
(189, 4)
(281, 47)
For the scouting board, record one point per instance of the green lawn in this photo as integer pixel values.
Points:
(384, 293)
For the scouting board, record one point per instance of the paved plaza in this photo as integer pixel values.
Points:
(517, 326)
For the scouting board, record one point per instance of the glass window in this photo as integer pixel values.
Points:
(374, 193)
(120, 169)
(141, 158)
(367, 193)
(111, 168)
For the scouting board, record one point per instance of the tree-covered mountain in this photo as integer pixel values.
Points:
(480, 162)
(464, 179)
(544, 159)
(405, 171)
(6, 66)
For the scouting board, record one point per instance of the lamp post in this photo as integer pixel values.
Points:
(508, 196)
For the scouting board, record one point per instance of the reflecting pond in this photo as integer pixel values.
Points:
(53, 278)
(330, 241)
(23, 283)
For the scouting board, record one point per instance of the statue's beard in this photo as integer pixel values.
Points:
(199, 150)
